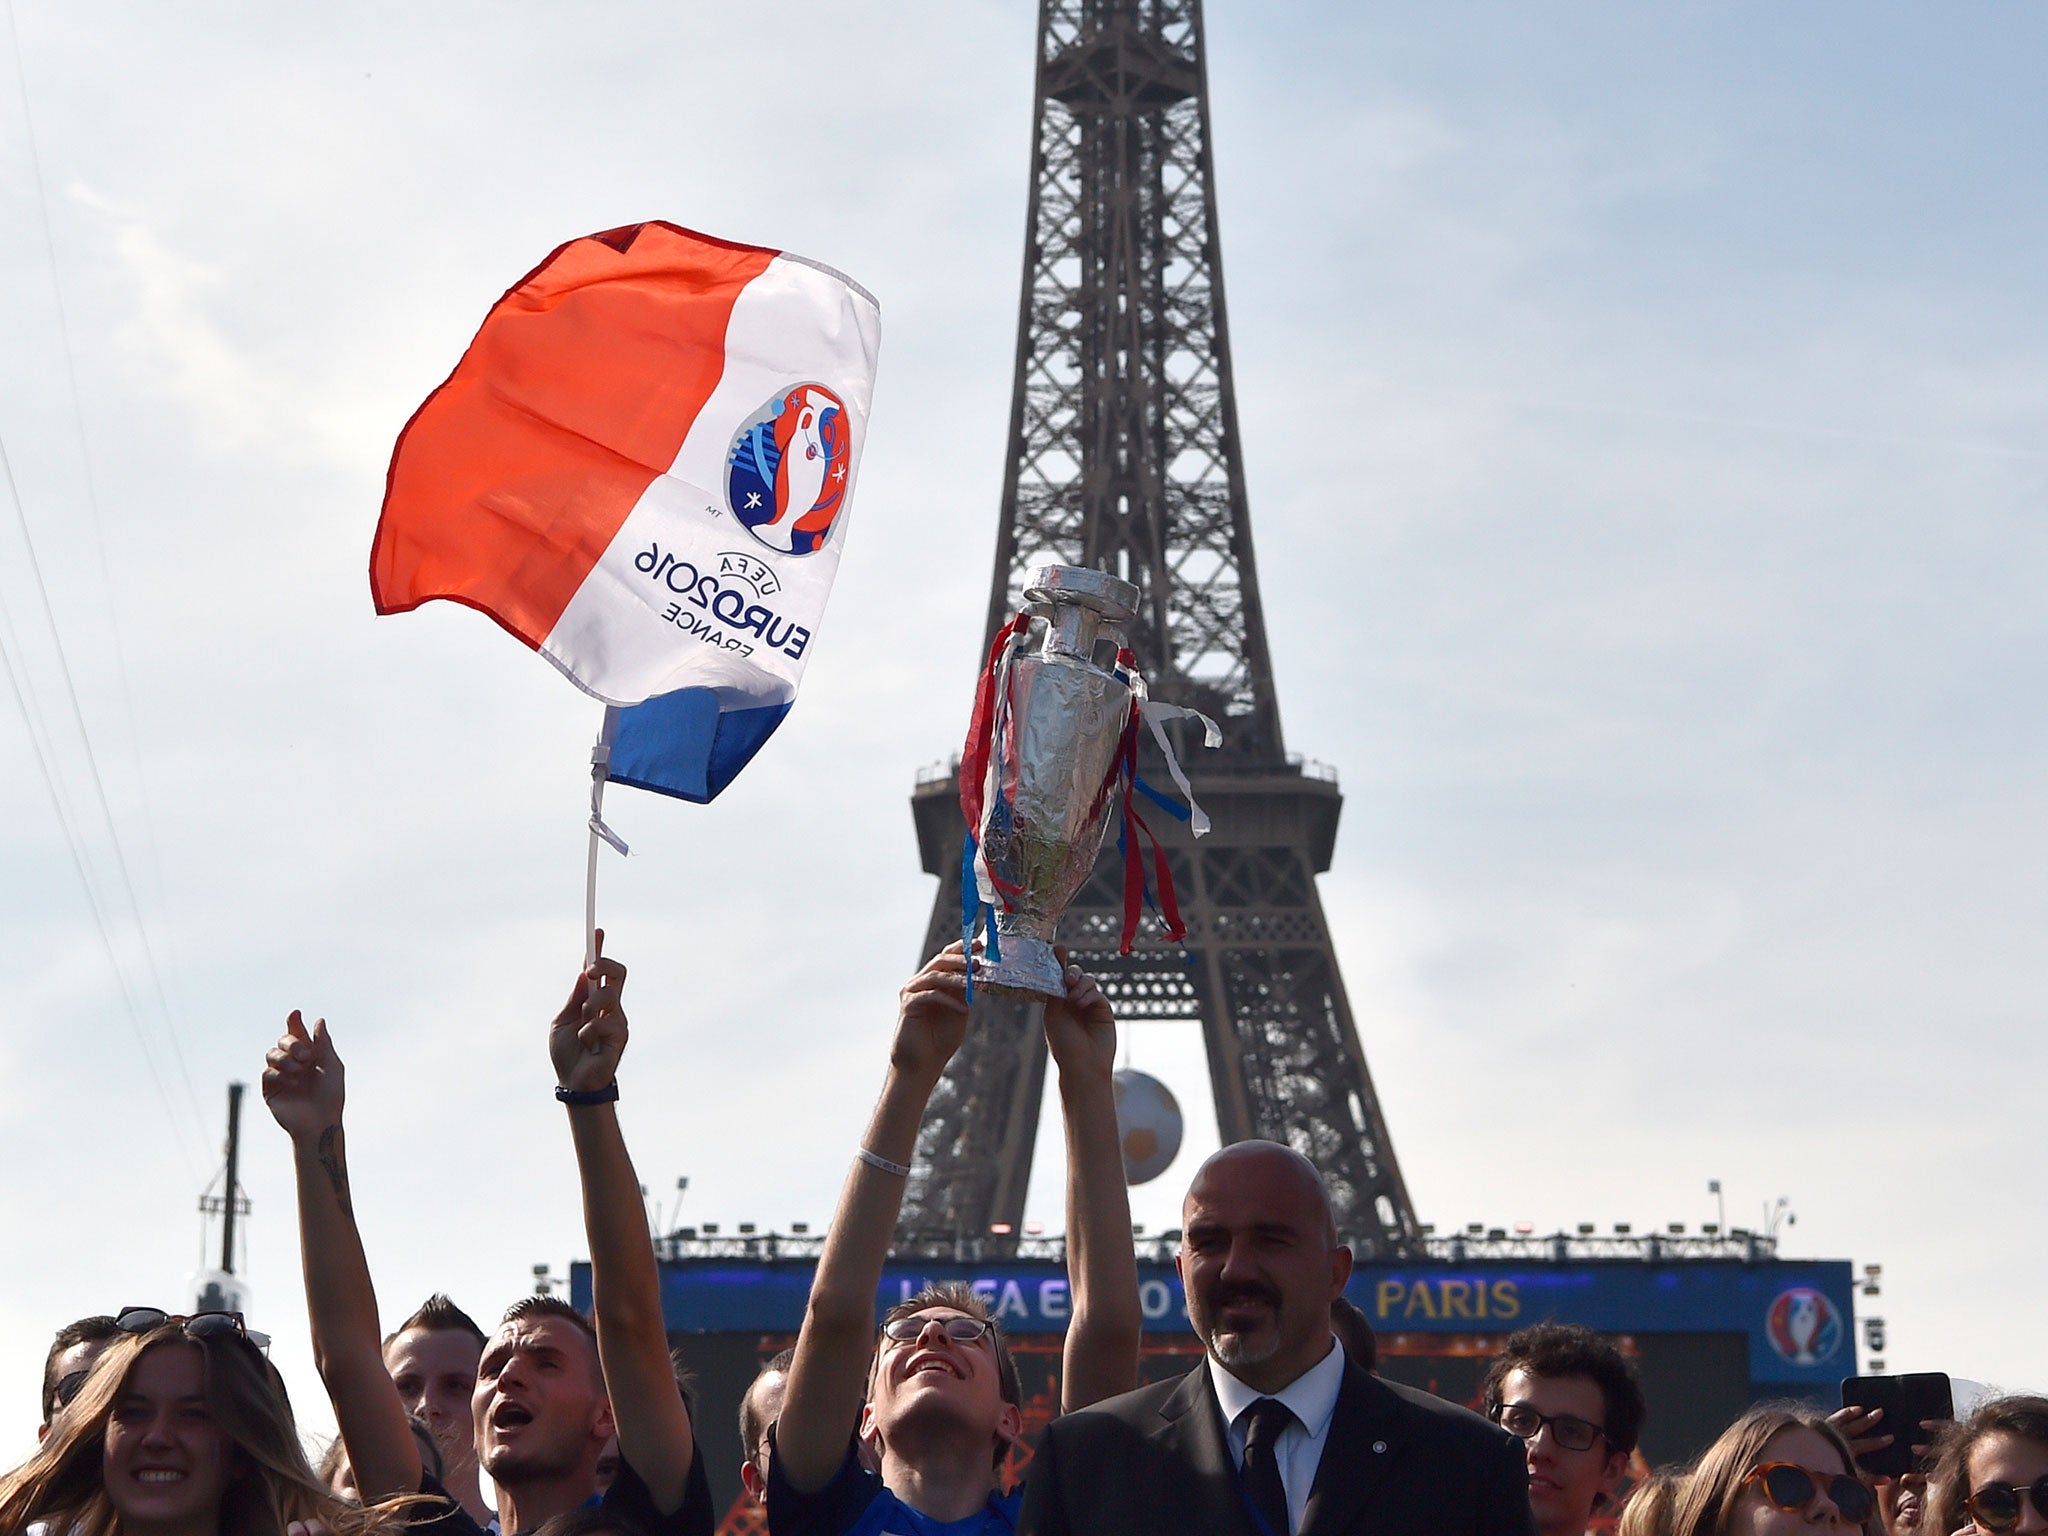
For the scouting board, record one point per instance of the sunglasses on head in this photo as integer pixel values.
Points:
(198, 1325)
(1998, 1506)
(1791, 1488)
(961, 1330)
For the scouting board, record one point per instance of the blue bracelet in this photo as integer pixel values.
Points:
(576, 1097)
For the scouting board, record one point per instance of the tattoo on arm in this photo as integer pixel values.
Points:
(329, 1153)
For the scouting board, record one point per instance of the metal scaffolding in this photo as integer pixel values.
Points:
(1124, 456)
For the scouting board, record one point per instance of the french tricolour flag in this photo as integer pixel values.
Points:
(642, 468)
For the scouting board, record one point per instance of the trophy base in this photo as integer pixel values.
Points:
(1028, 970)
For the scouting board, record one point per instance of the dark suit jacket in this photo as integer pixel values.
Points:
(1397, 1463)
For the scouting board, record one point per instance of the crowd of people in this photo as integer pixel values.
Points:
(164, 1425)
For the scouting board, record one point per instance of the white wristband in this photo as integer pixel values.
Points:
(876, 1160)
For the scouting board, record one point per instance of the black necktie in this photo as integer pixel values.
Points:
(1264, 1423)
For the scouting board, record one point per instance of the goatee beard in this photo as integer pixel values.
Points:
(1235, 1349)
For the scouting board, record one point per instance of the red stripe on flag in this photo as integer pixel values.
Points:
(512, 478)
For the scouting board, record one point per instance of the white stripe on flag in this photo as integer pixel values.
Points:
(640, 625)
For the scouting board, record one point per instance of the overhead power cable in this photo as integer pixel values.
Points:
(85, 459)
(98, 784)
(9, 648)
(29, 705)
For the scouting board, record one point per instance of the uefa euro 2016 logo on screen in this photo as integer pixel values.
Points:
(785, 474)
(1804, 1326)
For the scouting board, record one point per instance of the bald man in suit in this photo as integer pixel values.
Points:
(1275, 1433)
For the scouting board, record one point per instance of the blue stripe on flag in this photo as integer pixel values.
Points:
(684, 744)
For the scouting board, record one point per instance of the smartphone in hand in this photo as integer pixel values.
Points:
(1906, 1400)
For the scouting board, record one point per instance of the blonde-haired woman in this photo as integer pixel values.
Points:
(1651, 1506)
(183, 1429)
(1779, 1470)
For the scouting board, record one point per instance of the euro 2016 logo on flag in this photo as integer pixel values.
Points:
(785, 474)
(1804, 1326)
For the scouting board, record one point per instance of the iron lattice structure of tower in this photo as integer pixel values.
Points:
(1124, 456)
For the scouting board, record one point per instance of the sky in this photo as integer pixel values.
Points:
(1645, 418)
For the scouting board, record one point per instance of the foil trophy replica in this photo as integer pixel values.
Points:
(1052, 748)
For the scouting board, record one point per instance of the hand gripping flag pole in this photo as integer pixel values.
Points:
(641, 468)
(600, 771)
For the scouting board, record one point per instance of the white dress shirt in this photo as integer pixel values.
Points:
(1312, 1398)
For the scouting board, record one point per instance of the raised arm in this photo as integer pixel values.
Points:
(303, 1086)
(828, 1377)
(586, 1041)
(1101, 1355)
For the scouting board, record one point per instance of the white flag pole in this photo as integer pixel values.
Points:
(600, 771)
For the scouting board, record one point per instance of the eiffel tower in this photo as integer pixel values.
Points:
(1124, 456)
